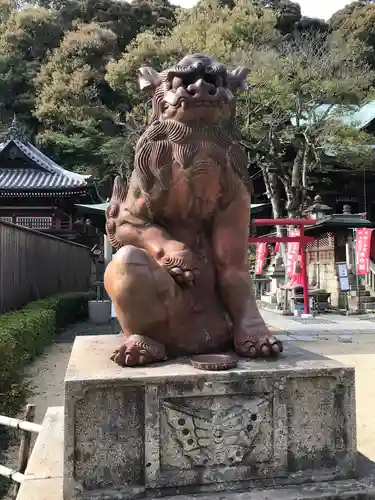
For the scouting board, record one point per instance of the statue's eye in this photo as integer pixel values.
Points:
(209, 78)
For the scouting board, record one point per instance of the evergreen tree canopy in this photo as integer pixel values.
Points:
(68, 70)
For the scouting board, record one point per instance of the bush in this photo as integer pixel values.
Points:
(68, 308)
(25, 333)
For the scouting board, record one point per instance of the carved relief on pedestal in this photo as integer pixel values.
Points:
(211, 432)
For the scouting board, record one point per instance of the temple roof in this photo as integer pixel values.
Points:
(23, 168)
(337, 221)
(356, 116)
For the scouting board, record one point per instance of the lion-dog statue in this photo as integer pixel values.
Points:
(179, 281)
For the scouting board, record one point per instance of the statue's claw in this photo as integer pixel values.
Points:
(258, 346)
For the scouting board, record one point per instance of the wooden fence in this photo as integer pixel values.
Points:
(34, 265)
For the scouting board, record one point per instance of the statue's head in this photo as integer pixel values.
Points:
(196, 90)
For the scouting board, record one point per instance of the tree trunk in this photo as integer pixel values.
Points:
(271, 182)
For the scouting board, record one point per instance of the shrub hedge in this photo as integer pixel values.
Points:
(24, 334)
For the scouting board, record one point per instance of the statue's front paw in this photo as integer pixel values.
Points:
(139, 350)
(257, 341)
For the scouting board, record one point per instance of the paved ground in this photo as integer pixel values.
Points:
(350, 340)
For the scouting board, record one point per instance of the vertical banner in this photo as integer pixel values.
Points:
(292, 253)
(362, 249)
(261, 254)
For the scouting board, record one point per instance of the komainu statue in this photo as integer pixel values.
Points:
(179, 281)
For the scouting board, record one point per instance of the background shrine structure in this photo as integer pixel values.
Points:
(37, 193)
(349, 204)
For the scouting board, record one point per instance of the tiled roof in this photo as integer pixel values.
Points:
(31, 179)
(46, 176)
(356, 116)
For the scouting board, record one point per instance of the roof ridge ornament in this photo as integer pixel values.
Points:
(14, 131)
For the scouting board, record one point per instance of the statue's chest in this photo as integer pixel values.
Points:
(195, 191)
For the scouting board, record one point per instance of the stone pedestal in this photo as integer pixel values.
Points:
(171, 428)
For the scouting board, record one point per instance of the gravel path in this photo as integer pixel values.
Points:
(46, 374)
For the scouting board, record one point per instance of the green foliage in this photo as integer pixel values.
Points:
(289, 78)
(74, 100)
(356, 22)
(53, 56)
(118, 152)
(68, 307)
(23, 336)
(25, 40)
(251, 253)
(223, 32)
(279, 114)
(68, 69)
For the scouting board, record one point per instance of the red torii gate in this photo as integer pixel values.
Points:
(302, 239)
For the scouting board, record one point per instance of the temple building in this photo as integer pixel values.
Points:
(36, 192)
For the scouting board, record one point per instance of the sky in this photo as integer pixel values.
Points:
(323, 9)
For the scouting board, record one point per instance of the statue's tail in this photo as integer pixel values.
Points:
(117, 199)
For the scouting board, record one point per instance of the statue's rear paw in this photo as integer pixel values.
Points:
(259, 342)
(139, 350)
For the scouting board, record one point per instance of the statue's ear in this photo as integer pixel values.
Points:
(148, 79)
(237, 79)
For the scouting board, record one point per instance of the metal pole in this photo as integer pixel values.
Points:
(15, 423)
(11, 474)
(304, 272)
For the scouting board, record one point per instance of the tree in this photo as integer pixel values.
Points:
(290, 77)
(286, 127)
(119, 17)
(356, 23)
(123, 18)
(223, 32)
(118, 151)
(155, 15)
(25, 40)
(78, 109)
(7, 7)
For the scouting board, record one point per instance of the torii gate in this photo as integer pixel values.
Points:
(302, 239)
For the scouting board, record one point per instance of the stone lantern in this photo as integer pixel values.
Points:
(318, 209)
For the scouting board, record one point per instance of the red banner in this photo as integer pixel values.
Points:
(292, 253)
(261, 254)
(362, 248)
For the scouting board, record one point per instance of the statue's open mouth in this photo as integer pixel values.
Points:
(195, 103)
(184, 98)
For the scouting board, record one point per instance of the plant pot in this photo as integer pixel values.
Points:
(100, 311)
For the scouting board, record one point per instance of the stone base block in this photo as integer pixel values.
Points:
(157, 428)
(44, 481)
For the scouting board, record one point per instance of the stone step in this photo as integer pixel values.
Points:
(367, 299)
(354, 287)
(362, 293)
